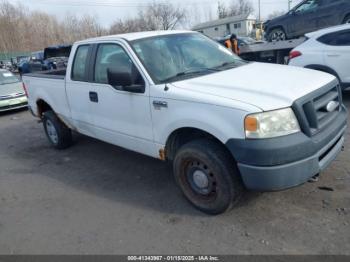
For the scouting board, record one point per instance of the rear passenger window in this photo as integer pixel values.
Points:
(80, 63)
(336, 39)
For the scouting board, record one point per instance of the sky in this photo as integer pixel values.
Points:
(107, 11)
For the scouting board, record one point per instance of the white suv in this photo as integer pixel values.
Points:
(326, 50)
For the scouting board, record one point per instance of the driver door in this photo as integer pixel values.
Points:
(120, 117)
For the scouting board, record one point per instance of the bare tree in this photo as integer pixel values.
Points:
(222, 10)
(237, 7)
(166, 16)
(155, 16)
(275, 14)
(22, 30)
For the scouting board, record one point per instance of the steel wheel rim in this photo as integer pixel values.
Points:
(51, 132)
(201, 180)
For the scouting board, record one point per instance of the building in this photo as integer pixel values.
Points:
(242, 25)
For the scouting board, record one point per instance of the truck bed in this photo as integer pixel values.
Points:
(51, 74)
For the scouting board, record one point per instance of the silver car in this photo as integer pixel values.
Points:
(12, 94)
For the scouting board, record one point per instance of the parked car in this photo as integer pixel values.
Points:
(326, 50)
(56, 57)
(181, 97)
(23, 64)
(242, 40)
(12, 95)
(53, 57)
(308, 16)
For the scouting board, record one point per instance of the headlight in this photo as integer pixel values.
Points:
(271, 124)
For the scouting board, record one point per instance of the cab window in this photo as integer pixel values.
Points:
(113, 57)
(80, 63)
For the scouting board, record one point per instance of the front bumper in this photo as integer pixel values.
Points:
(13, 103)
(285, 162)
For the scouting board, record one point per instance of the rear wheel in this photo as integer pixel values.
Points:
(277, 34)
(59, 135)
(207, 176)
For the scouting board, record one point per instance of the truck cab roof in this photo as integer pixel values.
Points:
(134, 36)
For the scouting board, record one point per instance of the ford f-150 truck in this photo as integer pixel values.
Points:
(226, 124)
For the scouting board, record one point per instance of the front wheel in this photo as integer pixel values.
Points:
(208, 176)
(59, 135)
(277, 35)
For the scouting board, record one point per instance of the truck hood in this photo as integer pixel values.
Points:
(10, 89)
(266, 86)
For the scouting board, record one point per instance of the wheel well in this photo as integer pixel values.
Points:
(184, 135)
(347, 16)
(42, 107)
(276, 27)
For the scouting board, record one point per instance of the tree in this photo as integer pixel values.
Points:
(21, 30)
(222, 10)
(155, 16)
(237, 7)
(164, 15)
(275, 14)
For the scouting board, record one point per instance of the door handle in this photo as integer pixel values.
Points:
(93, 97)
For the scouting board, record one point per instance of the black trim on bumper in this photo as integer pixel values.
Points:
(284, 162)
(286, 149)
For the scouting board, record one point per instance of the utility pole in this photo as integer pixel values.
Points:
(259, 26)
(289, 4)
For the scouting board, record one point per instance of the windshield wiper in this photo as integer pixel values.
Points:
(190, 72)
(231, 64)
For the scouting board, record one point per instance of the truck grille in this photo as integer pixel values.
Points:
(318, 109)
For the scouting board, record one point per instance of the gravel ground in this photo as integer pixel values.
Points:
(96, 198)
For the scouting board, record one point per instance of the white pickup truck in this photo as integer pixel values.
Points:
(226, 124)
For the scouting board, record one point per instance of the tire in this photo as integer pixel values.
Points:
(58, 134)
(208, 176)
(347, 20)
(276, 35)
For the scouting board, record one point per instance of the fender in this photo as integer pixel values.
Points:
(325, 69)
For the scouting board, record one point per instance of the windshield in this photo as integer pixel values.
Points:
(171, 58)
(7, 78)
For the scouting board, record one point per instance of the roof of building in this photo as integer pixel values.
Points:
(227, 20)
(135, 36)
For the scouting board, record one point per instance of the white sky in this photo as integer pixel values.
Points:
(108, 11)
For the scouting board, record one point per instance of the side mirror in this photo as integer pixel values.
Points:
(123, 81)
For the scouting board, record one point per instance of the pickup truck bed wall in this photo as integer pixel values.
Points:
(52, 74)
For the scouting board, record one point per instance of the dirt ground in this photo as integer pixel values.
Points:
(96, 198)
